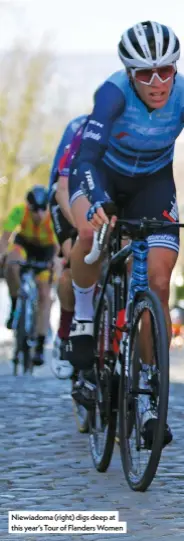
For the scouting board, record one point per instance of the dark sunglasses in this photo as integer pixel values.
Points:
(36, 208)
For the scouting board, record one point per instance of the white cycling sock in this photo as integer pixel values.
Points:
(83, 302)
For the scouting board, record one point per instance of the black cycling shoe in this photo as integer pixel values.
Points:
(84, 394)
(79, 347)
(38, 359)
(148, 430)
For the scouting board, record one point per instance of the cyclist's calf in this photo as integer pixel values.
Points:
(160, 284)
(161, 262)
(65, 291)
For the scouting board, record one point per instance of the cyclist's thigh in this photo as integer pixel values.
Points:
(44, 288)
(41, 253)
(157, 198)
(15, 252)
(47, 276)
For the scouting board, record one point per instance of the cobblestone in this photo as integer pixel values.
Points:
(45, 464)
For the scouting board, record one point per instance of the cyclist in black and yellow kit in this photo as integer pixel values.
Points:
(35, 240)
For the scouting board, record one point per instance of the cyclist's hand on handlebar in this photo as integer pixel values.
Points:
(97, 216)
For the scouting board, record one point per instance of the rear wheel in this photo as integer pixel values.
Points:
(102, 419)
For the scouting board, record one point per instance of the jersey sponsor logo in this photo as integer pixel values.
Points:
(95, 123)
(159, 130)
(167, 215)
(90, 134)
(89, 179)
(161, 237)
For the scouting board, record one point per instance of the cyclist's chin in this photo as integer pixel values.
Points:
(37, 220)
(156, 100)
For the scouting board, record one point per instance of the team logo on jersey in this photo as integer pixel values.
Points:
(90, 134)
(89, 179)
(173, 214)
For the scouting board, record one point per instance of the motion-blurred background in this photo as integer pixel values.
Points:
(53, 55)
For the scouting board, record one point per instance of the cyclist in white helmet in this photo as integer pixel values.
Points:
(127, 150)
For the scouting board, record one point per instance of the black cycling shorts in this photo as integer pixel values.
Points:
(35, 252)
(63, 229)
(141, 196)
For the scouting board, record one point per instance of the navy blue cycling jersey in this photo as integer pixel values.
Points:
(64, 144)
(124, 134)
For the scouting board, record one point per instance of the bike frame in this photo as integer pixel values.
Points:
(117, 268)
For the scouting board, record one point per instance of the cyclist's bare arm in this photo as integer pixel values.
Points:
(56, 250)
(5, 237)
(62, 198)
(11, 222)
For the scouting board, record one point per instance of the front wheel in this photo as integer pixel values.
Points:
(144, 383)
(27, 360)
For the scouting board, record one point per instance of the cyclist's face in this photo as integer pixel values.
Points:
(156, 94)
(38, 215)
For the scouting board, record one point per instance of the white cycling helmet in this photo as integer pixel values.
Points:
(148, 45)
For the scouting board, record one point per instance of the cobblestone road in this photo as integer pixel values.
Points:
(45, 463)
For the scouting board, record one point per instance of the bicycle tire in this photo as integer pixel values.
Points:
(146, 301)
(22, 346)
(29, 334)
(27, 358)
(102, 460)
(15, 362)
(19, 335)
